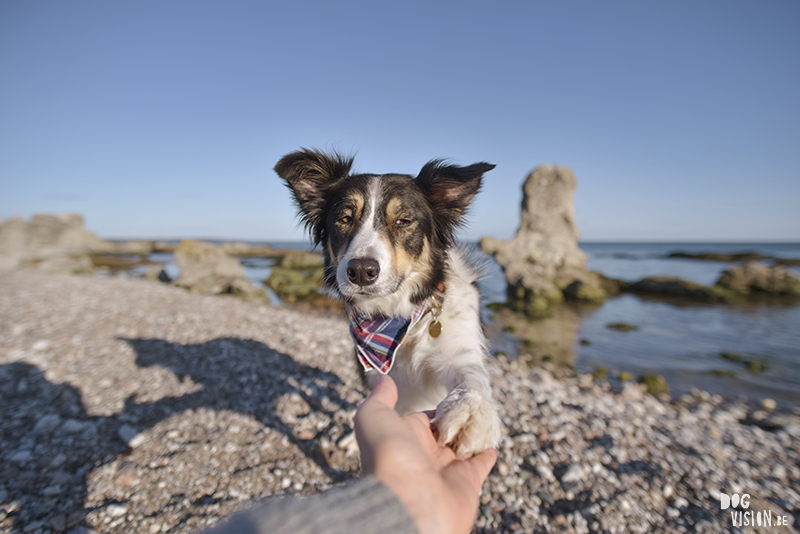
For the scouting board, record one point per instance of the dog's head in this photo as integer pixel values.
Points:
(382, 235)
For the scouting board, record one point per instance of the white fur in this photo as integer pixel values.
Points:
(447, 373)
(367, 244)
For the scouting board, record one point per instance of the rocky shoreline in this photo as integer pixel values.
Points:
(131, 406)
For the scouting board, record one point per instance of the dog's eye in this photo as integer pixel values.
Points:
(402, 222)
(345, 220)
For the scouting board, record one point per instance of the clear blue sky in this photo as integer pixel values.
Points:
(163, 119)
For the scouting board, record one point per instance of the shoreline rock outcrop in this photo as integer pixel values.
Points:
(755, 278)
(542, 263)
(208, 270)
(748, 281)
(52, 243)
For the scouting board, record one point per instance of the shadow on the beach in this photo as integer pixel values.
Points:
(238, 375)
(45, 470)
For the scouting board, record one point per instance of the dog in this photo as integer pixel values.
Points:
(411, 296)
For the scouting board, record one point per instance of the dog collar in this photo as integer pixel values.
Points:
(378, 337)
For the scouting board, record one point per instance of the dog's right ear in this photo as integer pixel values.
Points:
(312, 176)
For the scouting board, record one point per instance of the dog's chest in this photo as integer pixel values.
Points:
(417, 372)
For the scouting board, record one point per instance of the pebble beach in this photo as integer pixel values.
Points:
(134, 406)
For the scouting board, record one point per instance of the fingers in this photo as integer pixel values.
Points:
(471, 473)
(385, 393)
(482, 463)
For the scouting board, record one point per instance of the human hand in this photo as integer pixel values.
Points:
(440, 492)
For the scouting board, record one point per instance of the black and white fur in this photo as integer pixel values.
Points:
(387, 241)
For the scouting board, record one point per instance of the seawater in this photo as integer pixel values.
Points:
(682, 341)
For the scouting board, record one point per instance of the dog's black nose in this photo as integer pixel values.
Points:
(363, 271)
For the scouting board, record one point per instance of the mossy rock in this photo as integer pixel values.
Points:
(675, 287)
(722, 373)
(536, 303)
(301, 259)
(625, 376)
(756, 279)
(497, 306)
(622, 327)
(295, 286)
(656, 384)
(585, 342)
(755, 366)
(528, 343)
(600, 373)
(588, 292)
(732, 356)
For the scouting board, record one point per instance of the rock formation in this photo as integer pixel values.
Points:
(543, 263)
(207, 270)
(53, 243)
(754, 278)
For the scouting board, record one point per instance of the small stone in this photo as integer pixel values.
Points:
(560, 520)
(545, 472)
(130, 436)
(672, 513)
(115, 510)
(286, 482)
(348, 443)
(59, 523)
(42, 344)
(36, 525)
(73, 426)
(52, 490)
(21, 457)
(305, 435)
(573, 474)
(46, 425)
(75, 518)
(155, 528)
(667, 491)
(779, 471)
(502, 468)
(681, 503)
(127, 476)
(768, 404)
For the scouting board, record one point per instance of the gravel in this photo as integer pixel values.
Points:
(133, 406)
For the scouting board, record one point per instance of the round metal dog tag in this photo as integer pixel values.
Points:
(435, 329)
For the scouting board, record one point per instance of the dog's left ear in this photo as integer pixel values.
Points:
(451, 188)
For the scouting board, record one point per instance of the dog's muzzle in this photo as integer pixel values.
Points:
(363, 271)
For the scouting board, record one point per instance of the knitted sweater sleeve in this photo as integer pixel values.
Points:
(361, 506)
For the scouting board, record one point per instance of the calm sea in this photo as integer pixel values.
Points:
(683, 342)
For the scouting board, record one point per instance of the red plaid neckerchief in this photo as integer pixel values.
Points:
(378, 337)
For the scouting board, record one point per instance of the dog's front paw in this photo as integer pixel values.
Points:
(467, 422)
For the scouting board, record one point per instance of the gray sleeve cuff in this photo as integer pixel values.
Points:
(365, 506)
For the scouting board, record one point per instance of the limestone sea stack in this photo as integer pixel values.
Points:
(543, 263)
(53, 243)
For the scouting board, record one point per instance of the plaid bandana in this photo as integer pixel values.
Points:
(377, 338)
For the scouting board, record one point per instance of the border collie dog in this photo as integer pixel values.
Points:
(411, 297)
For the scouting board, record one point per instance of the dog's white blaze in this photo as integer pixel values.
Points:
(367, 243)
